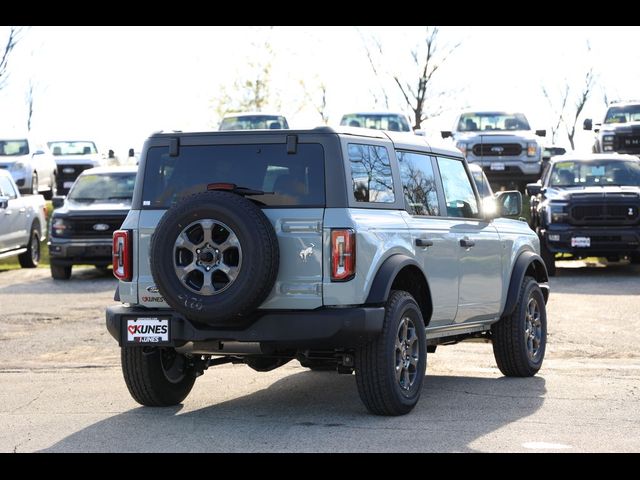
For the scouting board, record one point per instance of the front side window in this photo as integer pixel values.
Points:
(458, 192)
(371, 173)
(6, 188)
(418, 183)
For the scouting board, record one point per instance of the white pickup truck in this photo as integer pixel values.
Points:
(23, 222)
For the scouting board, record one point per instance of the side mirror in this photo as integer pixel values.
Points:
(587, 124)
(509, 203)
(541, 133)
(534, 188)
(4, 203)
(111, 154)
(57, 201)
(446, 134)
(131, 152)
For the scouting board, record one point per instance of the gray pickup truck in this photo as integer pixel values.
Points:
(502, 143)
(620, 130)
(352, 251)
(23, 221)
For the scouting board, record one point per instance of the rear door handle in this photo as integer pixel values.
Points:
(466, 243)
(22, 210)
(423, 242)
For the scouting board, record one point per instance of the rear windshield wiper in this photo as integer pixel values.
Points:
(120, 197)
(232, 187)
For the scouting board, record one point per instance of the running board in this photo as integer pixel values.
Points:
(460, 329)
(11, 253)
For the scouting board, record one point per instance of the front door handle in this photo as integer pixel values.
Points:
(22, 210)
(423, 242)
(466, 243)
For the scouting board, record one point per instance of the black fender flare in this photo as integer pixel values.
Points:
(520, 267)
(381, 285)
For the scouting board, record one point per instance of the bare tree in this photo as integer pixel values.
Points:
(558, 111)
(584, 95)
(30, 99)
(252, 89)
(314, 93)
(12, 40)
(418, 91)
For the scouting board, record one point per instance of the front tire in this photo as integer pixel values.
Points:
(520, 339)
(390, 369)
(31, 257)
(60, 272)
(34, 184)
(548, 257)
(157, 377)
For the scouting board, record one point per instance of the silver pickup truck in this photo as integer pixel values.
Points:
(22, 223)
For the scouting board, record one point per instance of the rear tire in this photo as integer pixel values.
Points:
(60, 272)
(31, 257)
(156, 377)
(520, 339)
(390, 369)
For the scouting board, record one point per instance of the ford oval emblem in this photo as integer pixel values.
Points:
(101, 227)
(497, 149)
(152, 289)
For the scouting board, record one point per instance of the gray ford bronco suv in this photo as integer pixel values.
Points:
(351, 250)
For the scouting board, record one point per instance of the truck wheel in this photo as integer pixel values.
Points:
(214, 257)
(391, 368)
(60, 272)
(53, 189)
(157, 377)
(31, 257)
(549, 258)
(520, 339)
(34, 184)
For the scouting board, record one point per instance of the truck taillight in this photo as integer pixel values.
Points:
(343, 254)
(122, 255)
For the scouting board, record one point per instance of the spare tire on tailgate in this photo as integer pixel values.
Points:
(214, 257)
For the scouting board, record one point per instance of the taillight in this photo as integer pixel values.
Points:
(122, 255)
(343, 254)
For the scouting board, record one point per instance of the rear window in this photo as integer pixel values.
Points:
(286, 179)
(103, 187)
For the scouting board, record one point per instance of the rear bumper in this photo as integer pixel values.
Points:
(93, 252)
(326, 327)
(604, 240)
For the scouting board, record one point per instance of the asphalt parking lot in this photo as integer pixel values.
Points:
(61, 389)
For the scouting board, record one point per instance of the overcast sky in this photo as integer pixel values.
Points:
(117, 85)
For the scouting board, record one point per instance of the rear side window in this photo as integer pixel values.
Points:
(371, 173)
(295, 180)
(6, 188)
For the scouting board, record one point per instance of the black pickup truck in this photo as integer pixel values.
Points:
(588, 206)
(83, 223)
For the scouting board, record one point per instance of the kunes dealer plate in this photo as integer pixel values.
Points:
(148, 330)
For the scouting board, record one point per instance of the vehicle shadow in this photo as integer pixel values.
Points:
(596, 279)
(320, 412)
(88, 279)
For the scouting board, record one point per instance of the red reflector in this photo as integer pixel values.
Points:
(122, 255)
(221, 186)
(343, 254)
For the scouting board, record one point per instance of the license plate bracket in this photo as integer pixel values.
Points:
(497, 166)
(581, 242)
(150, 331)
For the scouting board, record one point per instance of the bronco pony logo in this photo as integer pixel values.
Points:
(304, 253)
